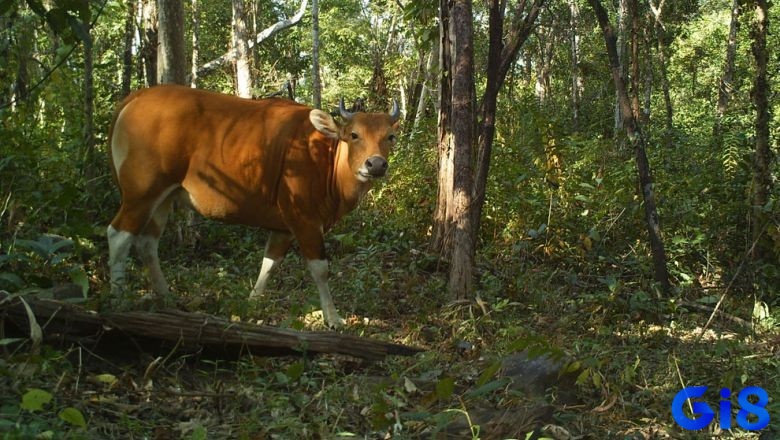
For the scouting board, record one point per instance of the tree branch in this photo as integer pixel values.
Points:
(268, 32)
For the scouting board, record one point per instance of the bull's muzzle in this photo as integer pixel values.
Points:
(376, 166)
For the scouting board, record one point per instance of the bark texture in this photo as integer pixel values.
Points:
(637, 142)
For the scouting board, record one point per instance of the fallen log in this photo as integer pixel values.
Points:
(184, 329)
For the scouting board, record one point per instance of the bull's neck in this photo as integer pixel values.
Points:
(347, 189)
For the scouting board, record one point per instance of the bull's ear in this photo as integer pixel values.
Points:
(324, 123)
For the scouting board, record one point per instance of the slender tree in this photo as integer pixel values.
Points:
(316, 83)
(243, 58)
(665, 87)
(726, 84)
(127, 50)
(89, 108)
(270, 31)
(637, 141)
(195, 44)
(576, 77)
(763, 157)
(502, 54)
(149, 41)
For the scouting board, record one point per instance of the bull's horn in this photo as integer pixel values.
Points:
(395, 112)
(344, 113)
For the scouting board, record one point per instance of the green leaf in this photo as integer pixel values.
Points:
(34, 399)
(73, 416)
(11, 278)
(445, 388)
(488, 373)
(199, 433)
(79, 277)
(295, 371)
(489, 387)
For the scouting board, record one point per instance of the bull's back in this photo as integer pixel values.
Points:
(227, 152)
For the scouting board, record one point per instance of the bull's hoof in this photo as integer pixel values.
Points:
(335, 321)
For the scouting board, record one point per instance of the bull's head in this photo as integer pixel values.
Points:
(369, 138)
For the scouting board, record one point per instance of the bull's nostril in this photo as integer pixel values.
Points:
(369, 164)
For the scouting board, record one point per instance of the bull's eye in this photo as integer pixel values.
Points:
(391, 138)
(354, 135)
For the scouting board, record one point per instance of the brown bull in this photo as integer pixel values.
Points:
(272, 163)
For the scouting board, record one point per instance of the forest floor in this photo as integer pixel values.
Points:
(622, 354)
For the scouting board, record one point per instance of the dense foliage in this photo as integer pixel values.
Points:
(562, 263)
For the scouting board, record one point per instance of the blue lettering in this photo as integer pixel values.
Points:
(725, 409)
(758, 409)
(706, 413)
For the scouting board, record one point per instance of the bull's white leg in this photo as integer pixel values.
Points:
(275, 249)
(119, 243)
(262, 280)
(319, 271)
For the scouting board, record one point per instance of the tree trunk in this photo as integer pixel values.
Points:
(316, 83)
(127, 52)
(726, 81)
(243, 60)
(622, 12)
(417, 83)
(171, 60)
(266, 33)
(546, 36)
(637, 141)
(427, 78)
(649, 79)
(633, 7)
(149, 37)
(500, 60)
(441, 217)
(88, 160)
(763, 158)
(195, 44)
(463, 96)
(661, 47)
(576, 78)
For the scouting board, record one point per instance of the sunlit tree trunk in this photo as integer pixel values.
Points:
(316, 83)
(243, 60)
(763, 158)
(425, 89)
(171, 59)
(637, 141)
(546, 36)
(195, 44)
(127, 50)
(149, 41)
(441, 239)
(726, 84)
(463, 96)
